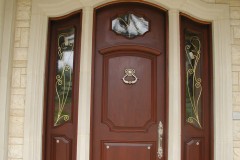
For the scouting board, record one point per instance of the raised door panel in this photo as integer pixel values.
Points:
(133, 75)
(193, 150)
(127, 151)
(62, 148)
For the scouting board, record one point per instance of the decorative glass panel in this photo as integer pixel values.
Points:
(64, 72)
(130, 25)
(193, 79)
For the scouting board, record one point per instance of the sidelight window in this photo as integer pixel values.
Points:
(64, 69)
(193, 61)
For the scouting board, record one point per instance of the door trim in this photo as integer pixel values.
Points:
(7, 23)
(216, 13)
(138, 48)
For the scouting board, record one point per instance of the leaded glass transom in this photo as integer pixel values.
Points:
(130, 25)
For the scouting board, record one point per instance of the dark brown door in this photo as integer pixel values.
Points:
(129, 83)
(196, 60)
(61, 93)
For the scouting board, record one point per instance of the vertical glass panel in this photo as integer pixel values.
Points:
(64, 72)
(193, 79)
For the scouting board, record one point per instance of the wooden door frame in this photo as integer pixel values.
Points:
(217, 14)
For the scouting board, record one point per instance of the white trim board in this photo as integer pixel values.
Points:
(217, 14)
(6, 54)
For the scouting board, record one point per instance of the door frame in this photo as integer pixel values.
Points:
(7, 23)
(218, 14)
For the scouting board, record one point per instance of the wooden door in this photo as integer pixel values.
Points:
(196, 71)
(61, 92)
(129, 83)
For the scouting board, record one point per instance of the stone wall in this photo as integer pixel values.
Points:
(18, 84)
(235, 43)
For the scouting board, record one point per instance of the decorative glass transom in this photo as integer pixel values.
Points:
(64, 70)
(193, 79)
(130, 25)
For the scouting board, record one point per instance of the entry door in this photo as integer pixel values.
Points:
(129, 83)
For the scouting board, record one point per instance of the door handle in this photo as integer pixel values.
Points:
(130, 73)
(160, 138)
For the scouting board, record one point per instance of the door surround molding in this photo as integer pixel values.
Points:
(218, 14)
(6, 57)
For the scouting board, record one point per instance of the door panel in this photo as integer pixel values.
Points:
(137, 102)
(61, 92)
(129, 83)
(61, 148)
(194, 150)
(128, 151)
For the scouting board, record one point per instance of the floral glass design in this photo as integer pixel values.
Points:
(130, 25)
(193, 79)
(64, 72)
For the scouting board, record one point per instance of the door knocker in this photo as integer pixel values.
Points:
(130, 73)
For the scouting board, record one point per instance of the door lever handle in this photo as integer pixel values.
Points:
(160, 138)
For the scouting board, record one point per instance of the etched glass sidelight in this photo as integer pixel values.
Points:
(64, 72)
(130, 25)
(193, 79)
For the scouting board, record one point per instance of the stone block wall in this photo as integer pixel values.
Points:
(235, 46)
(19, 73)
(18, 84)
